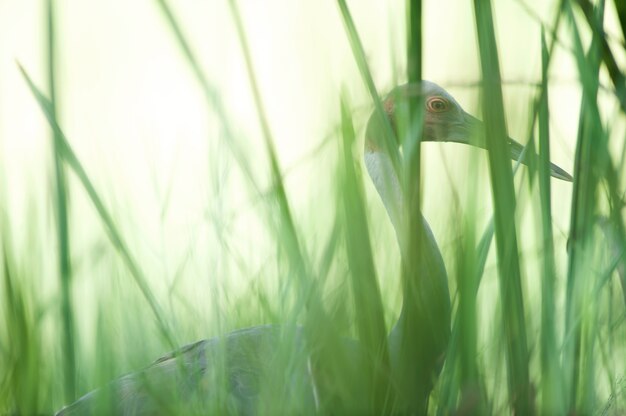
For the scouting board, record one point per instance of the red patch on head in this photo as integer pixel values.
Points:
(389, 105)
(371, 144)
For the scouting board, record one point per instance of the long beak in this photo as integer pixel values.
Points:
(472, 132)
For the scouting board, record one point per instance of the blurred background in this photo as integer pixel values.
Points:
(186, 179)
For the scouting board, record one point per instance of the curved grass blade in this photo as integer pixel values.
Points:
(63, 235)
(616, 75)
(359, 56)
(504, 210)
(552, 395)
(593, 164)
(368, 302)
(65, 150)
(210, 93)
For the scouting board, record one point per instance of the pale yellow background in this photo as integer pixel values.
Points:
(135, 115)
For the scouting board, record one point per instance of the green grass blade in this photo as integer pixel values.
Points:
(609, 171)
(210, 93)
(368, 302)
(114, 235)
(620, 7)
(425, 325)
(504, 219)
(616, 75)
(590, 152)
(296, 255)
(550, 372)
(23, 360)
(329, 357)
(388, 137)
(468, 276)
(414, 40)
(62, 217)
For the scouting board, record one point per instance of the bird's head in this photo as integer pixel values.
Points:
(444, 120)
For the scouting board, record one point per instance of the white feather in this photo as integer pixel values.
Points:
(381, 171)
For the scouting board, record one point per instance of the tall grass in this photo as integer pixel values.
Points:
(65, 270)
(550, 374)
(513, 319)
(560, 353)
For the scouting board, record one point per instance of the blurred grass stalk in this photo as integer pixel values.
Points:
(115, 236)
(568, 372)
(511, 297)
(327, 353)
(591, 167)
(369, 311)
(62, 221)
(551, 383)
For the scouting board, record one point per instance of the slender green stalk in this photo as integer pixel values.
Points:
(414, 40)
(410, 136)
(115, 236)
(504, 215)
(292, 245)
(468, 268)
(368, 302)
(425, 322)
(22, 363)
(327, 352)
(327, 279)
(389, 142)
(586, 179)
(551, 394)
(595, 23)
(63, 235)
(620, 8)
(594, 20)
(210, 93)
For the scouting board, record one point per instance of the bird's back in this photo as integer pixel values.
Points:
(216, 376)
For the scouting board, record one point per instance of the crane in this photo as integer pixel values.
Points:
(224, 374)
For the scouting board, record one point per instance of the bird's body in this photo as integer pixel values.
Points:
(190, 380)
(226, 374)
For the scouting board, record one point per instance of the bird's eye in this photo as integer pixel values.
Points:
(437, 104)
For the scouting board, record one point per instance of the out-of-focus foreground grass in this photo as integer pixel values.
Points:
(123, 239)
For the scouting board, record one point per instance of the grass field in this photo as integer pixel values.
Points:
(174, 171)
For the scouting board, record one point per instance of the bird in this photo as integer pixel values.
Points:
(225, 374)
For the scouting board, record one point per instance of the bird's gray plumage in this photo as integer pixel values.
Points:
(215, 376)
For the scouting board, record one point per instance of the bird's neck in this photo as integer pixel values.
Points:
(420, 336)
(380, 169)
